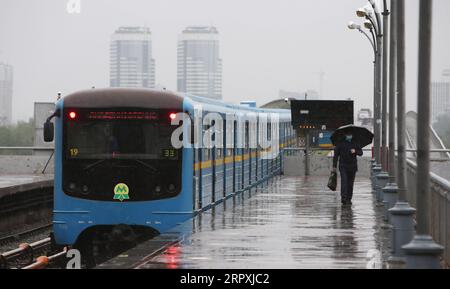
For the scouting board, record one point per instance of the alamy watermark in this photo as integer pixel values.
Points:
(249, 130)
(75, 259)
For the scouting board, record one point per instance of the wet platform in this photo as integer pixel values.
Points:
(16, 183)
(291, 223)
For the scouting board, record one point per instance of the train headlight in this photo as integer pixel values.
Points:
(158, 189)
(85, 189)
(171, 188)
(72, 186)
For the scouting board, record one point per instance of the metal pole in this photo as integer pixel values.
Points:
(392, 92)
(377, 107)
(423, 118)
(401, 116)
(423, 252)
(382, 177)
(377, 128)
(402, 213)
(375, 73)
(390, 191)
(385, 88)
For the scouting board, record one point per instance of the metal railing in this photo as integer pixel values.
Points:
(439, 206)
(27, 148)
(11, 151)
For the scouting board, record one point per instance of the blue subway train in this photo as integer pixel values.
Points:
(116, 163)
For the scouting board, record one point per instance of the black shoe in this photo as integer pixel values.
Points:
(346, 203)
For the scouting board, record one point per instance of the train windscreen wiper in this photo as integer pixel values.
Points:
(144, 164)
(90, 166)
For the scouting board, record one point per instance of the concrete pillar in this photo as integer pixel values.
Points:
(390, 198)
(423, 253)
(382, 180)
(376, 170)
(403, 229)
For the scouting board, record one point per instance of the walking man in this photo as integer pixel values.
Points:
(346, 153)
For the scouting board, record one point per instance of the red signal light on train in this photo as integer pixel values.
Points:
(72, 115)
(173, 116)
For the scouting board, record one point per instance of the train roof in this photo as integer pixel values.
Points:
(149, 98)
(124, 97)
(215, 102)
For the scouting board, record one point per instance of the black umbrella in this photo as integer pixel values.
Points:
(361, 135)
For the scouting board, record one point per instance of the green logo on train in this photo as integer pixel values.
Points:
(121, 192)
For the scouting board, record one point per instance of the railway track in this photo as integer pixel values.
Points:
(35, 255)
(17, 237)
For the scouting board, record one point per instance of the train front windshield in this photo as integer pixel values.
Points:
(120, 155)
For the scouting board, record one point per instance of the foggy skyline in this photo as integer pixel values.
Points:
(266, 46)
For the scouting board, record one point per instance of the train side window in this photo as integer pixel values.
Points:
(247, 134)
(269, 131)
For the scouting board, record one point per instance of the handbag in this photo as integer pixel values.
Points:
(332, 181)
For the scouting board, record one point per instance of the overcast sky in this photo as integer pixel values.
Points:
(266, 45)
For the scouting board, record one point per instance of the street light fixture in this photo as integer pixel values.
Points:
(366, 11)
(368, 24)
(352, 25)
(361, 12)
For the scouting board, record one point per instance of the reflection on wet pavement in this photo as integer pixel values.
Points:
(292, 223)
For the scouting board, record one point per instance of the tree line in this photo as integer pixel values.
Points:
(17, 135)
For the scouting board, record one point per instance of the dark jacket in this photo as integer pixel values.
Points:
(347, 160)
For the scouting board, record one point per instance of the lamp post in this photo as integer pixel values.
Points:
(367, 12)
(373, 16)
(353, 26)
(423, 252)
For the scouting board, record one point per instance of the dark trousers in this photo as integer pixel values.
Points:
(347, 181)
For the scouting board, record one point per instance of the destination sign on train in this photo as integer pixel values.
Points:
(123, 115)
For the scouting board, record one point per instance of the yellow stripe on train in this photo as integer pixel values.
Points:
(238, 158)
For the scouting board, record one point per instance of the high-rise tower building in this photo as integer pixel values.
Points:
(199, 64)
(440, 99)
(6, 93)
(131, 62)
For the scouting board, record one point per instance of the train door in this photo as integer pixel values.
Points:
(196, 148)
(252, 153)
(218, 160)
(198, 158)
(235, 153)
(269, 137)
(245, 160)
(206, 168)
(257, 151)
(226, 156)
(213, 169)
(250, 157)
